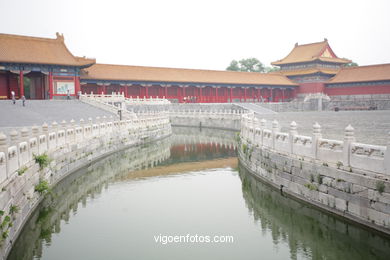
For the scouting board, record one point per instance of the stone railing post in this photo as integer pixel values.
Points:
(275, 128)
(3, 142)
(263, 124)
(24, 134)
(35, 131)
(63, 125)
(255, 126)
(293, 132)
(387, 157)
(45, 130)
(97, 121)
(81, 123)
(316, 136)
(14, 137)
(90, 124)
(4, 158)
(348, 139)
(54, 125)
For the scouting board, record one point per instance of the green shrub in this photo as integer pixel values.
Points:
(237, 137)
(311, 186)
(13, 209)
(319, 178)
(5, 222)
(4, 235)
(380, 186)
(43, 160)
(244, 148)
(22, 170)
(42, 187)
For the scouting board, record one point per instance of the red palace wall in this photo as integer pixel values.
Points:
(193, 94)
(313, 87)
(358, 90)
(3, 86)
(8, 83)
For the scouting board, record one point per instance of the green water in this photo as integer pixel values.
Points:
(115, 208)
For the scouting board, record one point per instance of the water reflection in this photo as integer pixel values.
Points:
(208, 201)
(308, 231)
(87, 184)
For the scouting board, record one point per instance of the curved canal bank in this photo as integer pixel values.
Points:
(345, 177)
(35, 161)
(185, 184)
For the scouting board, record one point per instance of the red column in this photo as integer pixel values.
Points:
(231, 95)
(21, 84)
(76, 85)
(258, 95)
(126, 91)
(282, 95)
(146, 92)
(179, 94)
(271, 95)
(244, 94)
(200, 95)
(216, 95)
(51, 85)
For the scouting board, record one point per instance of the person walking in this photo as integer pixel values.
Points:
(68, 95)
(23, 100)
(13, 96)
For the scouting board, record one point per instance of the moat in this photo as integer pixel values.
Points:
(190, 183)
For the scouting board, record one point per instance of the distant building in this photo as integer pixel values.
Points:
(38, 68)
(42, 68)
(317, 69)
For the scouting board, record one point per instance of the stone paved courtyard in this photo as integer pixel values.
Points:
(371, 127)
(39, 111)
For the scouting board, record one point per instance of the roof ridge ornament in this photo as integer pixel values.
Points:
(60, 36)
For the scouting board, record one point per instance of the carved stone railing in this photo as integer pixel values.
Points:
(18, 150)
(220, 119)
(147, 101)
(110, 103)
(349, 153)
(114, 97)
(226, 113)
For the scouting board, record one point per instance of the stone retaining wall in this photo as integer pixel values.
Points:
(68, 147)
(343, 177)
(222, 119)
(85, 183)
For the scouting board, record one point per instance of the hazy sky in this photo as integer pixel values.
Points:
(203, 34)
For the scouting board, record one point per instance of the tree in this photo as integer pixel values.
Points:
(351, 64)
(233, 66)
(271, 69)
(248, 65)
